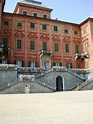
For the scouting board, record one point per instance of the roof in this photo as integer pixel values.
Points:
(34, 3)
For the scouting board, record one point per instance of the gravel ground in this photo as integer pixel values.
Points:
(55, 108)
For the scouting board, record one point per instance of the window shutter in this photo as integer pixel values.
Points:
(54, 64)
(29, 63)
(19, 44)
(67, 48)
(77, 49)
(60, 64)
(36, 64)
(32, 45)
(44, 45)
(56, 47)
(44, 27)
(22, 63)
(32, 25)
(5, 43)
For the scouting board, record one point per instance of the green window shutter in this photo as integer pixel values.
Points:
(44, 45)
(44, 27)
(36, 64)
(5, 44)
(77, 49)
(19, 24)
(32, 45)
(67, 48)
(55, 28)
(32, 25)
(69, 65)
(60, 64)
(19, 44)
(6, 23)
(65, 31)
(75, 32)
(56, 47)
(78, 65)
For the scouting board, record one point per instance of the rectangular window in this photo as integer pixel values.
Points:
(19, 63)
(87, 64)
(24, 12)
(55, 28)
(35, 14)
(32, 25)
(44, 27)
(19, 44)
(69, 65)
(44, 16)
(19, 24)
(5, 44)
(84, 31)
(56, 47)
(44, 45)
(32, 45)
(86, 47)
(33, 64)
(65, 31)
(6, 23)
(77, 48)
(75, 32)
(67, 48)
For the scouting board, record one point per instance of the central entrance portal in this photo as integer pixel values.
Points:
(59, 83)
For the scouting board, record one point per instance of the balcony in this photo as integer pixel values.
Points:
(81, 56)
(45, 52)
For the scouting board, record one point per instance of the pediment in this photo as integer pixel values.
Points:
(19, 34)
(55, 38)
(76, 40)
(7, 32)
(44, 36)
(66, 39)
(32, 35)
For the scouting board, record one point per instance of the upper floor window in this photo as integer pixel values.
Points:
(44, 45)
(24, 12)
(56, 47)
(19, 44)
(44, 27)
(84, 31)
(44, 16)
(65, 31)
(5, 44)
(32, 25)
(33, 64)
(69, 65)
(86, 47)
(76, 49)
(6, 23)
(55, 28)
(67, 48)
(75, 32)
(19, 24)
(32, 45)
(35, 14)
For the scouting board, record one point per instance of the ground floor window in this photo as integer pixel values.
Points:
(4, 62)
(19, 63)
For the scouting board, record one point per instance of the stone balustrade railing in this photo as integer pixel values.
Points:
(8, 67)
(26, 77)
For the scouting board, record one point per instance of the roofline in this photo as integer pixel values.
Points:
(85, 21)
(13, 14)
(19, 3)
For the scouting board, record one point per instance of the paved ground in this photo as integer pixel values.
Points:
(55, 108)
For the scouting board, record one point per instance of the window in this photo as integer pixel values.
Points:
(32, 25)
(75, 32)
(67, 48)
(56, 47)
(4, 62)
(55, 28)
(24, 12)
(35, 14)
(6, 23)
(57, 64)
(87, 64)
(33, 64)
(19, 63)
(77, 48)
(44, 16)
(78, 65)
(69, 65)
(19, 24)
(65, 31)
(44, 45)
(84, 31)
(86, 47)
(44, 27)
(19, 44)
(5, 44)
(32, 45)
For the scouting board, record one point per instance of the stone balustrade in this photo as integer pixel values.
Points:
(8, 67)
(26, 77)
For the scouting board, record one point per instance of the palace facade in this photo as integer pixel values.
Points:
(30, 38)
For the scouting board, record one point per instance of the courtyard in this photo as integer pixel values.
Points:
(50, 108)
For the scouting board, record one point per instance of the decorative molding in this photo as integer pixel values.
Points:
(7, 32)
(66, 39)
(19, 34)
(84, 38)
(55, 37)
(44, 36)
(32, 35)
(76, 40)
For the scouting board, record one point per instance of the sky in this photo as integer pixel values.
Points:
(74, 11)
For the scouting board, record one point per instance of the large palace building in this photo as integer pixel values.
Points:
(30, 38)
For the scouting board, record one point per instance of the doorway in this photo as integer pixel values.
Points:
(59, 83)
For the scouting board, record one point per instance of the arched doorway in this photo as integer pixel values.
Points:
(59, 83)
